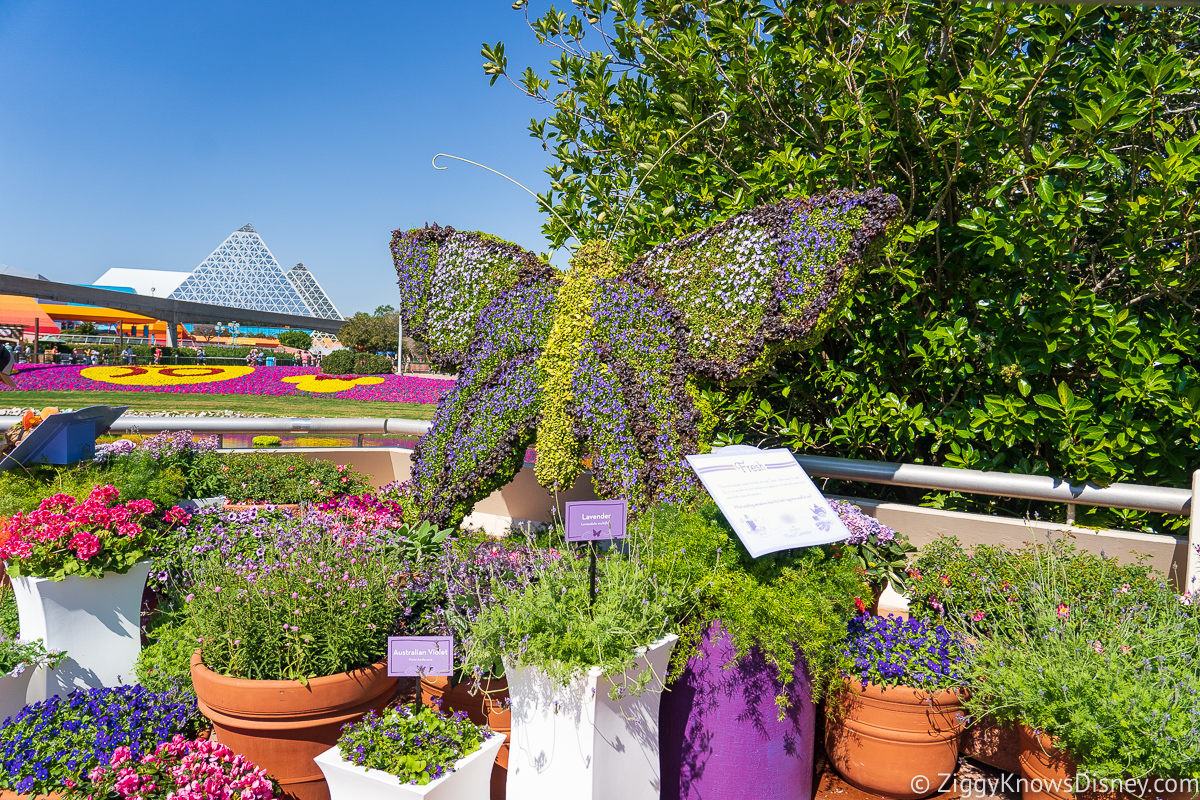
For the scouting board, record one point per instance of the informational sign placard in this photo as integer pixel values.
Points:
(596, 520)
(413, 656)
(63, 438)
(767, 497)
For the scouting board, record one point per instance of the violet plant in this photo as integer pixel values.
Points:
(418, 746)
(881, 552)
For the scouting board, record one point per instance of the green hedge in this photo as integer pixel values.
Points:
(348, 362)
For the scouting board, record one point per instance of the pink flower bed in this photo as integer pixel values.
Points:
(260, 381)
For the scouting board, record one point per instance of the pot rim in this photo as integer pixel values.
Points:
(230, 682)
(905, 694)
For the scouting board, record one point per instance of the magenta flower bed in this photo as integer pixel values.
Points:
(259, 381)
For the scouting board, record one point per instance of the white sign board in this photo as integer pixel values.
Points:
(767, 497)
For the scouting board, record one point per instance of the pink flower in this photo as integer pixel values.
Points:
(978, 615)
(1064, 610)
(1098, 647)
(85, 544)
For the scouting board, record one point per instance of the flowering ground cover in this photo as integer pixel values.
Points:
(270, 381)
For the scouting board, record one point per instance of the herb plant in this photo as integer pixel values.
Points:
(417, 746)
(53, 745)
(1115, 679)
(306, 602)
(165, 662)
(180, 769)
(787, 606)
(10, 622)
(17, 656)
(891, 651)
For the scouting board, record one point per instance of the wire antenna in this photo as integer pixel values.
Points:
(513, 180)
(633, 192)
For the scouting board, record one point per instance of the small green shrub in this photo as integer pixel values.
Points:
(416, 745)
(165, 663)
(348, 362)
(978, 586)
(136, 477)
(286, 478)
(297, 339)
(10, 625)
(266, 441)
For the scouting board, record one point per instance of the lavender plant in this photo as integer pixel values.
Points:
(608, 364)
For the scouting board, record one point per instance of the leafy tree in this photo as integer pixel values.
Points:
(1039, 311)
(205, 333)
(372, 333)
(299, 340)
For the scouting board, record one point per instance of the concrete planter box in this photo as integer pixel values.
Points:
(97, 621)
(469, 780)
(576, 742)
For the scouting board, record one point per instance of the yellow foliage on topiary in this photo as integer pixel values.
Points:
(559, 450)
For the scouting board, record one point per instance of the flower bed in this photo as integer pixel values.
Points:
(230, 380)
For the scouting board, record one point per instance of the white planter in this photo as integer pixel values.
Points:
(470, 779)
(576, 742)
(13, 690)
(96, 620)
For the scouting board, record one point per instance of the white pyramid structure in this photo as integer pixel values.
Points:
(311, 292)
(243, 273)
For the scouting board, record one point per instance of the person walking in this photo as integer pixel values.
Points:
(7, 362)
(201, 358)
(158, 355)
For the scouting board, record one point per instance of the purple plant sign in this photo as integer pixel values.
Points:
(414, 656)
(596, 520)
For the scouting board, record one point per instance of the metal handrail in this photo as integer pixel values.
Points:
(1156, 499)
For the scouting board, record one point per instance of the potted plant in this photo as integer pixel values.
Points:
(78, 572)
(977, 590)
(284, 479)
(1104, 688)
(451, 592)
(180, 769)
(759, 644)
(585, 673)
(18, 661)
(411, 754)
(879, 551)
(895, 726)
(293, 630)
(91, 725)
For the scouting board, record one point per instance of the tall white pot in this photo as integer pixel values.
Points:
(13, 691)
(468, 781)
(96, 620)
(576, 742)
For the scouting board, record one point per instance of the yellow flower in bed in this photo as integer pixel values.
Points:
(331, 383)
(163, 376)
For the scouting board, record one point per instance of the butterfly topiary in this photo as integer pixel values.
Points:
(601, 365)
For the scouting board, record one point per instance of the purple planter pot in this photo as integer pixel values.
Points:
(721, 736)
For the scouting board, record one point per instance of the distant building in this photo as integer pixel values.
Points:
(241, 273)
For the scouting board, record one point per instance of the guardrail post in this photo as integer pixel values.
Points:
(1193, 559)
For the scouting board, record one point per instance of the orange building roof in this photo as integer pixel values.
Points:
(23, 311)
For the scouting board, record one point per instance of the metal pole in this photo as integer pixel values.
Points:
(1192, 583)
(37, 336)
(400, 343)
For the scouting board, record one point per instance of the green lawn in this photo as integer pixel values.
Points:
(287, 406)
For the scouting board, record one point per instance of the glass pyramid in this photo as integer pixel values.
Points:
(243, 273)
(311, 292)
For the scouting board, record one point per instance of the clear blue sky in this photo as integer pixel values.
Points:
(140, 134)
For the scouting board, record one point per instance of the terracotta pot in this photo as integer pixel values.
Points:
(1048, 771)
(899, 742)
(488, 708)
(7, 795)
(993, 744)
(282, 725)
(291, 508)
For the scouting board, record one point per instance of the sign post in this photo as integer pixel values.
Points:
(768, 499)
(594, 521)
(417, 656)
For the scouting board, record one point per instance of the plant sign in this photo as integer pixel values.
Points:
(415, 656)
(768, 499)
(596, 520)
